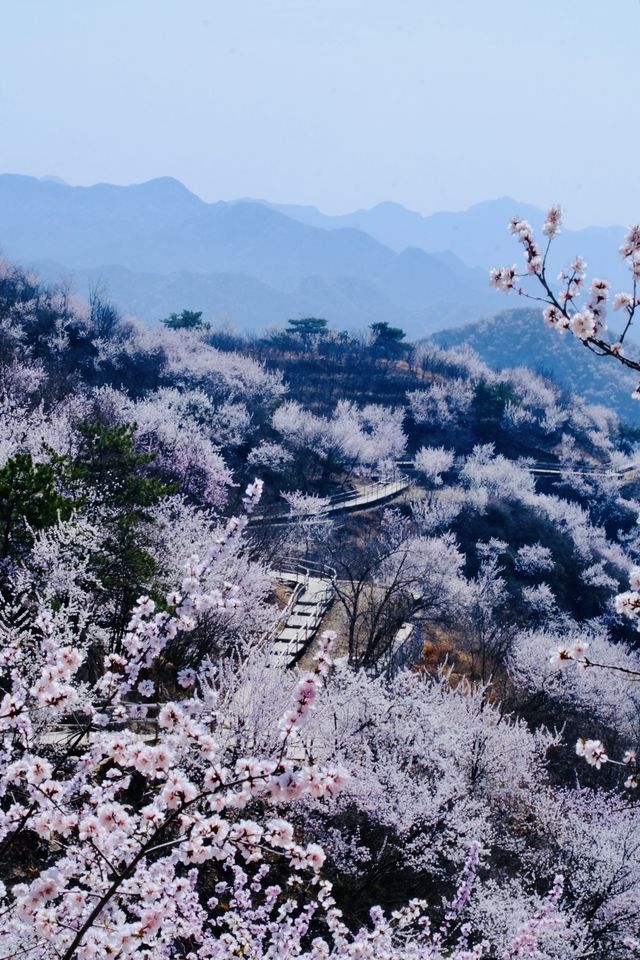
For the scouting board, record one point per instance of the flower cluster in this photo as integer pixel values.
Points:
(562, 310)
(576, 651)
(526, 942)
(505, 278)
(553, 222)
(593, 752)
(628, 603)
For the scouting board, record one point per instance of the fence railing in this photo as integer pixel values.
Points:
(295, 568)
(377, 490)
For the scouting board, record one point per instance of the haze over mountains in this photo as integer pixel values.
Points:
(477, 236)
(157, 247)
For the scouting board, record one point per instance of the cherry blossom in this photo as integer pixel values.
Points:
(563, 309)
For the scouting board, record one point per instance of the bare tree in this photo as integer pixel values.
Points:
(387, 577)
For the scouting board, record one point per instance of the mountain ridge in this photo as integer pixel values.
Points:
(340, 266)
(478, 236)
(161, 228)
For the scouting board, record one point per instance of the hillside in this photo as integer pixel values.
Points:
(162, 606)
(520, 338)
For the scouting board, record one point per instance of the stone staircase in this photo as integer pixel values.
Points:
(312, 595)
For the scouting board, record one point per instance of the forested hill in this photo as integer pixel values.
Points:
(520, 338)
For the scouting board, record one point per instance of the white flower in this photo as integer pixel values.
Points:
(582, 324)
(600, 289)
(279, 833)
(495, 277)
(593, 752)
(578, 649)
(628, 603)
(555, 318)
(187, 677)
(560, 656)
(631, 241)
(622, 300)
(504, 278)
(552, 224)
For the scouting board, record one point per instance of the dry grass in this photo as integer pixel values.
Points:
(444, 649)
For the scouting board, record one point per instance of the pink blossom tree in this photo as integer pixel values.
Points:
(145, 836)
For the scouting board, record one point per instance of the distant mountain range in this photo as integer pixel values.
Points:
(520, 338)
(156, 247)
(478, 236)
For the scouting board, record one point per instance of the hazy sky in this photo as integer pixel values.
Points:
(338, 103)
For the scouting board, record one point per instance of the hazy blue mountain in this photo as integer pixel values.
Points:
(161, 228)
(245, 302)
(151, 296)
(160, 248)
(516, 338)
(477, 236)
(249, 304)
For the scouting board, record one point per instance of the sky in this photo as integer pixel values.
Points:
(342, 104)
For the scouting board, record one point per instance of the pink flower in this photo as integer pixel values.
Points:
(315, 856)
(279, 833)
(38, 771)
